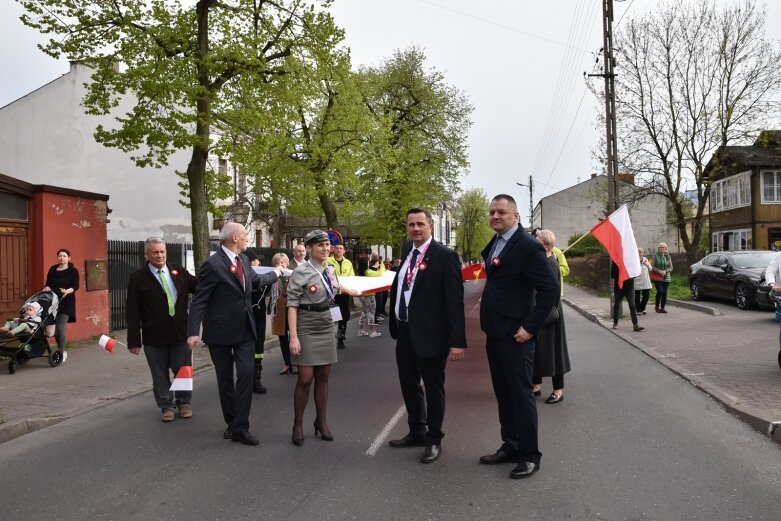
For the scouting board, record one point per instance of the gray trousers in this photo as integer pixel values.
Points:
(162, 360)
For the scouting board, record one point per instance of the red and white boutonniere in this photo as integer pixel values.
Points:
(312, 288)
(423, 266)
(232, 269)
(174, 273)
(496, 261)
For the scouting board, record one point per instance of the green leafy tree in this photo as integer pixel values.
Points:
(319, 142)
(471, 217)
(178, 60)
(418, 150)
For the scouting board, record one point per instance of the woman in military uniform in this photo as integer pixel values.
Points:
(310, 297)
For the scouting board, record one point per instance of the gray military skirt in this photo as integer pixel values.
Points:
(317, 336)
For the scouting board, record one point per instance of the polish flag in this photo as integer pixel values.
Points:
(616, 235)
(183, 380)
(107, 343)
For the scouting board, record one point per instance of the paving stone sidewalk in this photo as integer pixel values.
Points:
(730, 356)
(39, 395)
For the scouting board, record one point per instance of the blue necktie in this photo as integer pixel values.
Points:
(405, 286)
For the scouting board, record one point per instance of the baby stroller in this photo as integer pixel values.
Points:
(24, 346)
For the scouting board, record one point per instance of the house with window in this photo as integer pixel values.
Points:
(745, 195)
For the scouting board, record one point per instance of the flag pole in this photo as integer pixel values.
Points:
(577, 241)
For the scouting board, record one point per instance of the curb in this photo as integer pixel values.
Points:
(747, 415)
(15, 428)
(695, 307)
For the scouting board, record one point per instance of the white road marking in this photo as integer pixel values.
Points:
(380, 439)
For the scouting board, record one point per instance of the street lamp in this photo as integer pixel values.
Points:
(531, 199)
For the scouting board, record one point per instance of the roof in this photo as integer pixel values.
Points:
(23, 188)
(729, 160)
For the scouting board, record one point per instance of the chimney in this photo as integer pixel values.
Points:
(627, 178)
(593, 176)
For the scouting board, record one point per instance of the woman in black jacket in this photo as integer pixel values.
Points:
(63, 280)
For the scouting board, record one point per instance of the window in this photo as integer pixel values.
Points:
(732, 240)
(771, 187)
(13, 207)
(732, 192)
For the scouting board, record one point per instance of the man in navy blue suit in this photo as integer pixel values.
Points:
(427, 321)
(223, 304)
(520, 290)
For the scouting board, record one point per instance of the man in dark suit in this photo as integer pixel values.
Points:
(520, 290)
(223, 304)
(157, 297)
(427, 321)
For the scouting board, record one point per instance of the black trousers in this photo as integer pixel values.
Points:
(641, 299)
(235, 398)
(626, 292)
(425, 410)
(511, 365)
(343, 301)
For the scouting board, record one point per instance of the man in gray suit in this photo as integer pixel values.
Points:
(223, 304)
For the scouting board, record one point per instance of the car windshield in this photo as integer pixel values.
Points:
(753, 260)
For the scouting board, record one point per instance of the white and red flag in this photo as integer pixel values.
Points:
(616, 235)
(183, 380)
(108, 343)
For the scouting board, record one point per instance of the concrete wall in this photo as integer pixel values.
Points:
(45, 138)
(578, 208)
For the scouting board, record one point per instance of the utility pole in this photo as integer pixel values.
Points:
(531, 200)
(611, 166)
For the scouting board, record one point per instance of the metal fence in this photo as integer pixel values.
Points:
(125, 257)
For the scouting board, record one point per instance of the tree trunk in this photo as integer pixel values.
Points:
(196, 170)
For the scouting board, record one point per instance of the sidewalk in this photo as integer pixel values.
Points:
(730, 356)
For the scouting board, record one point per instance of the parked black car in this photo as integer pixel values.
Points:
(732, 275)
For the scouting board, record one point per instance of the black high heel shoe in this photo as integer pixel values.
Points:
(298, 436)
(327, 436)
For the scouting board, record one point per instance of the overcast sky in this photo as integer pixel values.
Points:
(520, 62)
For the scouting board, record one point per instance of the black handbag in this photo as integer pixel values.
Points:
(553, 316)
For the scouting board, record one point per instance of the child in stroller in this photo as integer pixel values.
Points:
(30, 332)
(27, 323)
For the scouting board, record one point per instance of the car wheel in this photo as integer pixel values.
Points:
(695, 290)
(743, 297)
(779, 359)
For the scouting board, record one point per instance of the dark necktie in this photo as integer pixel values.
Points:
(330, 285)
(240, 270)
(405, 286)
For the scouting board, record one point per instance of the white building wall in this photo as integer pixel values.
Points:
(46, 138)
(577, 209)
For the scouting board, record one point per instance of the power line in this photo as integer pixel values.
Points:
(497, 24)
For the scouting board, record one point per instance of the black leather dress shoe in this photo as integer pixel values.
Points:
(524, 469)
(431, 454)
(228, 434)
(499, 456)
(245, 437)
(407, 441)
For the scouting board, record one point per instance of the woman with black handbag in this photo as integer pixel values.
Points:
(551, 357)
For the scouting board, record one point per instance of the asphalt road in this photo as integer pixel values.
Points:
(630, 441)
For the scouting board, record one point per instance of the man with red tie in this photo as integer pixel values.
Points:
(223, 303)
(427, 321)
